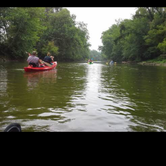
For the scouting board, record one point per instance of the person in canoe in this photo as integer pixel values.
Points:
(111, 62)
(90, 61)
(34, 60)
(48, 58)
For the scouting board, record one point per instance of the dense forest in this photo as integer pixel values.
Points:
(141, 38)
(53, 29)
(95, 55)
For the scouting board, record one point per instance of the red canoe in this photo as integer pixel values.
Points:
(30, 68)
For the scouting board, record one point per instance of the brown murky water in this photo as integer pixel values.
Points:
(84, 97)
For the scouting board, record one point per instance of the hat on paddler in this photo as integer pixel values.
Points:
(34, 53)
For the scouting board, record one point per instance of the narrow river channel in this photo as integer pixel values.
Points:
(84, 97)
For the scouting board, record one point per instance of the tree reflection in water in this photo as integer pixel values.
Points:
(33, 78)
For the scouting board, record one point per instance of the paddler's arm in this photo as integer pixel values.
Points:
(28, 53)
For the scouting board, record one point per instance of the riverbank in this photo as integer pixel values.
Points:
(159, 61)
(152, 63)
(3, 60)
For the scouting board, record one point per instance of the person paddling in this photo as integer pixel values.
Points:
(48, 58)
(33, 59)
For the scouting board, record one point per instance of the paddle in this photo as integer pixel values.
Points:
(46, 63)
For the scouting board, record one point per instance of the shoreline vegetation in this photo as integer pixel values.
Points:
(42, 29)
(140, 40)
(152, 64)
(144, 63)
(159, 61)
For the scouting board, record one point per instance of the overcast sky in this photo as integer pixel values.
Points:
(99, 19)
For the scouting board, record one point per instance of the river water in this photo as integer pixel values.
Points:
(84, 97)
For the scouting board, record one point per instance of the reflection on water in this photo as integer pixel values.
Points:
(3, 80)
(83, 97)
(3, 86)
(33, 78)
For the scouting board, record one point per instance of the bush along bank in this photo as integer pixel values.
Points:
(159, 61)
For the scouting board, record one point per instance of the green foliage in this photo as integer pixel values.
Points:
(95, 55)
(160, 59)
(162, 46)
(50, 47)
(50, 29)
(70, 41)
(140, 38)
(22, 29)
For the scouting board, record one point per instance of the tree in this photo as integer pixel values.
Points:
(137, 39)
(111, 43)
(22, 30)
(70, 40)
(95, 55)
(50, 47)
(46, 29)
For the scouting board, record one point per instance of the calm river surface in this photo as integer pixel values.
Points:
(84, 97)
